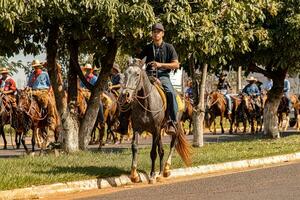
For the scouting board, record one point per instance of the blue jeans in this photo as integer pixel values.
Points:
(172, 107)
(229, 103)
(287, 95)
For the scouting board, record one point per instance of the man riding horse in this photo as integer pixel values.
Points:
(115, 82)
(252, 90)
(286, 93)
(8, 88)
(91, 78)
(39, 82)
(161, 56)
(223, 87)
(8, 85)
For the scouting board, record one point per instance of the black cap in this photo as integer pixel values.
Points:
(158, 26)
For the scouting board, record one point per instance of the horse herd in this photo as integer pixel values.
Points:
(248, 109)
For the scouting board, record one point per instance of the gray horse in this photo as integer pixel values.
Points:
(148, 114)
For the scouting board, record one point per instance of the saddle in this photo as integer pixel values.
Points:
(179, 101)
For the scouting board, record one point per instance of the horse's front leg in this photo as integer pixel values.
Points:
(214, 120)
(3, 136)
(101, 130)
(23, 137)
(221, 124)
(153, 155)
(134, 148)
(287, 121)
(33, 140)
(18, 139)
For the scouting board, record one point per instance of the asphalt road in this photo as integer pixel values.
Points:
(276, 183)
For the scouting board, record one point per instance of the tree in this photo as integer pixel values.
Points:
(276, 54)
(99, 28)
(213, 33)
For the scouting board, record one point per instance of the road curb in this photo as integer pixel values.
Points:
(76, 186)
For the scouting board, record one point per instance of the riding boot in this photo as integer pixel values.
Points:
(171, 128)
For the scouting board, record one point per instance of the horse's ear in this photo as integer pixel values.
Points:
(144, 59)
(142, 63)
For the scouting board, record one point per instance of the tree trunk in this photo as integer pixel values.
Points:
(54, 70)
(70, 120)
(271, 107)
(199, 111)
(90, 116)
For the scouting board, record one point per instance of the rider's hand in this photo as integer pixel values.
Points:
(155, 64)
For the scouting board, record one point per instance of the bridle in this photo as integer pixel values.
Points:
(136, 97)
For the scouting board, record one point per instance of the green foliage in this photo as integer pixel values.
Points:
(12, 66)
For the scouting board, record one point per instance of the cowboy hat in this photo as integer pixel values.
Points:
(88, 66)
(117, 68)
(4, 70)
(36, 63)
(251, 79)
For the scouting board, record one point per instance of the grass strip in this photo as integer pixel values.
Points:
(27, 171)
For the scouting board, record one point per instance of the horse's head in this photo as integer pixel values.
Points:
(132, 80)
(23, 99)
(212, 98)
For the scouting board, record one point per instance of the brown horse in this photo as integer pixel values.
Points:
(216, 106)
(111, 113)
(188, 113)
(29, 115)
(6, 112)
(283, 109)
(250, 109)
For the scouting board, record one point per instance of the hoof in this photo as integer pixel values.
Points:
(159, 179)
(167, 173)
(135, 179)
(4, 148)
(152, 181)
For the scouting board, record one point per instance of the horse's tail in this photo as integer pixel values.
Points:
(182, 146)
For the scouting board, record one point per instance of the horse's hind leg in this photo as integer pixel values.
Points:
(161, 154)
(3, 136)
(134, 148)
(167, 171)
(18, 138)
